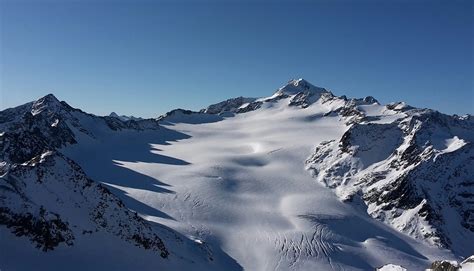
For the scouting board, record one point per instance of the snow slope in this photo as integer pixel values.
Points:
(53, 214)
(414, 173)
(232, 180)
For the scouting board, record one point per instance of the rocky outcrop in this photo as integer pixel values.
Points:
(414, 173)
(230, 105)
(47, 197)
(50, 200)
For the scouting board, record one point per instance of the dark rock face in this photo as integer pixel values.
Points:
(47, 197)
(250, 107)
(34, 128)
(176, 111)
(47, 230)
(132, 124)
(350, 111)
(153, 243)
(303, 99)
(410, 173)
(33, 136)
(230, 105)
(46, 124)
(444, 266)
(72, 201)
(370, 100)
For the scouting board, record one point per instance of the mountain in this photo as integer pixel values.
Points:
(414, 172)
(123, 117)
(51, 205)
(299, 180)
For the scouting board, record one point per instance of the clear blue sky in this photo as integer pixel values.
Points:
(145, 58)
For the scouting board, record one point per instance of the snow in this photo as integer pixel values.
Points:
(239, 183)
(391, 267)
(235, 187)
(48, 102)
(104, 244)
(468, 264)
(55, 123)
(453, 144)
(411, 173)
(299, 85)
(450, 145)
(381, 113)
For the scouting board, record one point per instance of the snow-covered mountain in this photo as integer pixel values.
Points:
(55, 214)
(124, 118)
(415, 172)
(300, 180)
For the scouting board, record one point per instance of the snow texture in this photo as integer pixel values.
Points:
(299, 180)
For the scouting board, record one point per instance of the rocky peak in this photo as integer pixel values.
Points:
(296, 86)
(47, 103)
(230, 105)
(113, 114)
(397, 165)
(123, 117)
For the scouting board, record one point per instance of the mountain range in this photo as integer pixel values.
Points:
(299, 180)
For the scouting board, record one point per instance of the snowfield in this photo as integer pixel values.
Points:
(236, 185)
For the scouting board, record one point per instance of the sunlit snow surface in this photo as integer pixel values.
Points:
(239, 183)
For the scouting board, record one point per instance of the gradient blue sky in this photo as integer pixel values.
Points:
(146, 58)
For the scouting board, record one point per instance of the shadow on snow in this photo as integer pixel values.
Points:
(104, 160)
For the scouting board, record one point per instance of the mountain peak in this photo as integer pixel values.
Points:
(49, 102)
(49, 98)
(123, 117)
(113, 114)
(295, 86)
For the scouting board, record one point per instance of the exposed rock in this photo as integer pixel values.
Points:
(230, 105)
(51, 200)
(411, 173)
(445, 266)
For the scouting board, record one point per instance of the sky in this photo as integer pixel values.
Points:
(145, 58)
